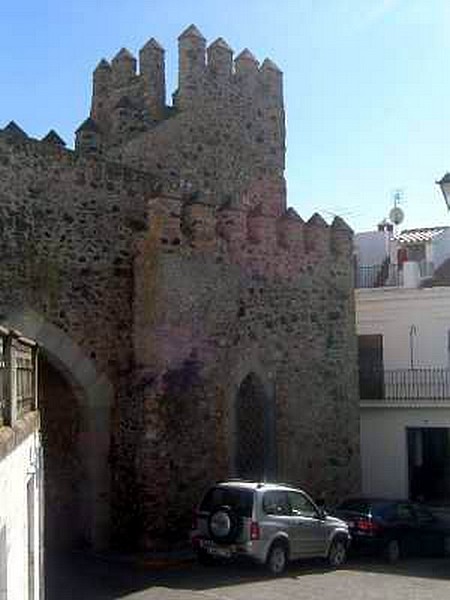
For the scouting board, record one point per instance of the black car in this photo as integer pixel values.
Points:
(394, 528)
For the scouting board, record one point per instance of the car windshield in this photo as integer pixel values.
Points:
(240, 500)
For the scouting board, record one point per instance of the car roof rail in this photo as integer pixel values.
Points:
(241, 480)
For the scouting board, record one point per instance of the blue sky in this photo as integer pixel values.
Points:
(367, 85)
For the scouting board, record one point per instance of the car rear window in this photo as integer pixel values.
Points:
(239, 500)
(375, 508)
(387, 510)
(355, 505)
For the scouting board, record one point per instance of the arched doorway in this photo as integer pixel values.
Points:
(64, 469)
(75, 412)
(255, 455)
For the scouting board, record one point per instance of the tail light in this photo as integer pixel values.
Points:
(254, 531)
(367, 526)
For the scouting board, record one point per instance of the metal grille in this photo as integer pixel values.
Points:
(3, 379)
(387, 274)
(251, 429)
(374, 276)
(24, 377)
(405, 384)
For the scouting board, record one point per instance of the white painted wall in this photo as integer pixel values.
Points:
(384, 455)
(393, 311)
(15, 472)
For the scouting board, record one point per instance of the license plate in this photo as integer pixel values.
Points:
(214, 550)
(219, 552)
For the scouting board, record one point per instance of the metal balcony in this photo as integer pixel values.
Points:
(405, 384)
(388, 274)
(375, 276)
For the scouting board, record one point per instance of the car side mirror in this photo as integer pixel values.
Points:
(321, 514)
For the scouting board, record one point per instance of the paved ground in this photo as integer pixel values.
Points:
(93, 579)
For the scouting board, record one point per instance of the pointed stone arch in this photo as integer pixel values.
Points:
(254, 424)
(95, 394)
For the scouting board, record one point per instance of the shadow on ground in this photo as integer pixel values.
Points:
(427, 568)
(83, 577)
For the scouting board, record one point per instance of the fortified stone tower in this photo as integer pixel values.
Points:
(223, 132)
(192, 326)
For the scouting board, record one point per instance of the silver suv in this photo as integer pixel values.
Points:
(267, 522)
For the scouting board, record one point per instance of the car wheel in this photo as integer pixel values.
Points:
(337, 554)
(392, 551)
(277, 559)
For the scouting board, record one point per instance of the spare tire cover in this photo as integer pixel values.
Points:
(223, 524)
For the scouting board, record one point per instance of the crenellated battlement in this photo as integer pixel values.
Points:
(266, 244)
(129, 94)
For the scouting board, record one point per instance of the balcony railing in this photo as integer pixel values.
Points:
(3, 380)
(374, 276)
(405, 384)
(387, 274)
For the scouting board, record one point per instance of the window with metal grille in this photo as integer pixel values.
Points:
(3, 378)
(24, 377)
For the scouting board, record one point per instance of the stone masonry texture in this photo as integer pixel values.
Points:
(164, 249)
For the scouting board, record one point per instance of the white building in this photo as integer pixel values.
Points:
(403, 325)
(20, 472)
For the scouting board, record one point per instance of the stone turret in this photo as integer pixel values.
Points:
(317, 235)
(152, 71)
(101, 84)
(54, 139)
(191, 49)
(220, 60)
(246, 68)
(12, 130)
(271, 78)
(290, 231)
(87, 137)
(123, 68)
(341, 238)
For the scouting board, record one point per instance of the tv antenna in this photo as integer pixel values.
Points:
(396, 214)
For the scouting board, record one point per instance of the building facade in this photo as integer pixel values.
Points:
(403, 326)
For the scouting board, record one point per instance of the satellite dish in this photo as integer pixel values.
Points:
(396, 215)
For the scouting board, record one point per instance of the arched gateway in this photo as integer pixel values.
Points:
(75, 410)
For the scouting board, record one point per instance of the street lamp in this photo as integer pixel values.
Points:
(444, 184)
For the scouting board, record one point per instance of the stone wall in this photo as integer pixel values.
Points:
(67, 229)
(208, 311)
